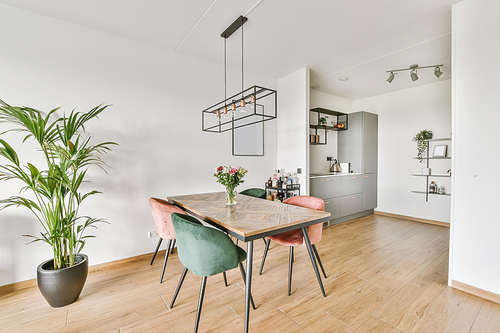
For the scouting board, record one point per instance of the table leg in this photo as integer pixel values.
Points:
(248, 287)
(313, 259)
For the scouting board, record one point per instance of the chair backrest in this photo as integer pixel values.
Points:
(316, 230)
(204, 251)
(162, 210)
(255, 192)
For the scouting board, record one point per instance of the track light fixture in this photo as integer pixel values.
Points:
(413, 72)
(391, 77)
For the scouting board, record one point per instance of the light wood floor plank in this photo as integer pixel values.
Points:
(439, 323)
(488, 319)
(372, 324)
(359, 304)
(406, 308)
(458, 305)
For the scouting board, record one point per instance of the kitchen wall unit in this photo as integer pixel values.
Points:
(359, 145)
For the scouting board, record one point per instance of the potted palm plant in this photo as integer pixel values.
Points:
(53, 193)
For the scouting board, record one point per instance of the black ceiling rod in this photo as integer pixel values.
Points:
(234, 26)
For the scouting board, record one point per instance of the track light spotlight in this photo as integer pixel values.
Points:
(437, 72)
(390, 78)
(413, 75)
(413, 72)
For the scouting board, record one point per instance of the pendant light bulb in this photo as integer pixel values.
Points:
(218, 113)
(233, 106)
(252, 99)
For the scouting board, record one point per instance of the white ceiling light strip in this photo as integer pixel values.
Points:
(385, 55)
(194, 26)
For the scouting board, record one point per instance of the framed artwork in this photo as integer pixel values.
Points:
(440, 150)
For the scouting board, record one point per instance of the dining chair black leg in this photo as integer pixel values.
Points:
(265, 255)
(165, 261)
(183, 276)
(313, 259)
(244, 276)
(319, 260)
(156, 251)
(173, 246)
(225, 278)
(200, 302)
(290, 265)
(264, 239)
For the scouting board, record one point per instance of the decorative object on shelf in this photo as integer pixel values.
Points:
(421, 138)
(426, 171)
(55, 193)
(441, 190)
(323, 120)
(440, 151)
(433, 187)
(230, 177)
(413, 72)
(249, 107)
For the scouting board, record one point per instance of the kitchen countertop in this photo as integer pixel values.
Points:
(332, 174)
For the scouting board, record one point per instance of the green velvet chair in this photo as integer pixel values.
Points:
(255, 192)
(204, 251)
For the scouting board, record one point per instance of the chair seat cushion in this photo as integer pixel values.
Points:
(289, 238)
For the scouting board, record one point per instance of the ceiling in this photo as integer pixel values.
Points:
(358, 39)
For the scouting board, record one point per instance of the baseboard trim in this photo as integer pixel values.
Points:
(476, 291)
(17, 286)
(411, 218)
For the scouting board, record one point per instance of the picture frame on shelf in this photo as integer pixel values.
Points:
(440, 150)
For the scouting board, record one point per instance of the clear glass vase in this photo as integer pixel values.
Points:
(231, 196)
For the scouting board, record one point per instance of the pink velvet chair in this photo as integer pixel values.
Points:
(162, 210)
(296, 237)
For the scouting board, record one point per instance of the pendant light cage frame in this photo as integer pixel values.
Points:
(261, 105)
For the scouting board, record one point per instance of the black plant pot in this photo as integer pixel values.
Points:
(428, 136)
(61, 287)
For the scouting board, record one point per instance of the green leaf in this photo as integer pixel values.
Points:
(9, 153)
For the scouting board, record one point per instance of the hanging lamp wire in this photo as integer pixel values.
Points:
(263, 100)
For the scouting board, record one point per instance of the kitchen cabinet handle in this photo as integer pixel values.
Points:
(354, 177)
(327, 180)
(327, 202)
(367, 176)
(353, 197)
(367, 170)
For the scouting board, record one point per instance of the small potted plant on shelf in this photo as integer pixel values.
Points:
(422, 144)
(323, 120)
(52, 191)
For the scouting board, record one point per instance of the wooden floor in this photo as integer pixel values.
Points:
(384, 275)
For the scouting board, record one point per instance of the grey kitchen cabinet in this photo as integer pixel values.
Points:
(351, 184)
(351, 204)
(369, 191)
(359, 144)
(325, 187)
(332, 205)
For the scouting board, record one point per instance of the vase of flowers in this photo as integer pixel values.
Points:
(230, 177)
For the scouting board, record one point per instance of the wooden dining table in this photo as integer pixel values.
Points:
(252, 218)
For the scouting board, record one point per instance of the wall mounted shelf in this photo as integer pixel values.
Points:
(337, 121)
(427, 165)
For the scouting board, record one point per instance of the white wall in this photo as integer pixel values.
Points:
(318, 153)
(293, 125)
(476, 118)
(157, 98)
(401, 115)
